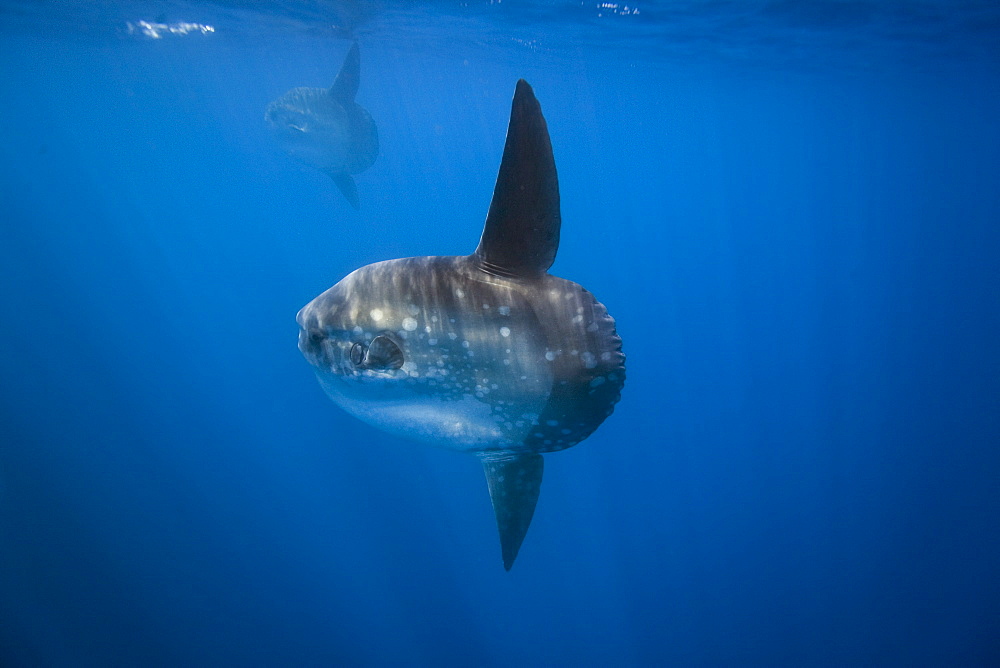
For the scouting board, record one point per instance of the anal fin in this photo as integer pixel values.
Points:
(514, 480)
(347, 186)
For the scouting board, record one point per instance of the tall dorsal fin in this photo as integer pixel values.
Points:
(514, 481)
(346, 86)
(521, 235)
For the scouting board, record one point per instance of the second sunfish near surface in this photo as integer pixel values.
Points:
(326, 129)
(485, 353)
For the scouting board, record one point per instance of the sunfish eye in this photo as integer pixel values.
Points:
(358, 351)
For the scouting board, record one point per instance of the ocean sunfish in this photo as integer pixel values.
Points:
(326, 129)
(486, 353)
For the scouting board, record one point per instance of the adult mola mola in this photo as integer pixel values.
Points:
(327, 129)
(486, 353)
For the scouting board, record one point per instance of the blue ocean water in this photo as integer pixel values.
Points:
(791, 209)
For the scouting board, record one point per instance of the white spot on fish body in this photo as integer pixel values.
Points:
(376, 314)
(549, 355)
(505, 331)
(409, 324)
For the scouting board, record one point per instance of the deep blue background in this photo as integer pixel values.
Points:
(792, 210)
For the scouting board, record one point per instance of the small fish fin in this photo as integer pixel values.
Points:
(514, 481)
(521, 235)
(383, 354)
(347, 186)
(346, 86)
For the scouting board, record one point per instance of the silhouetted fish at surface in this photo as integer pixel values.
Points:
(326, 129)
(486, 353)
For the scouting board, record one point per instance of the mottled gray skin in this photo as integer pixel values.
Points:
(322, 132)
(486, 353)
(326, 129)
(492, 364)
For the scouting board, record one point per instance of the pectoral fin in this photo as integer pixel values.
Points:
(383, 354)
(514, 481)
